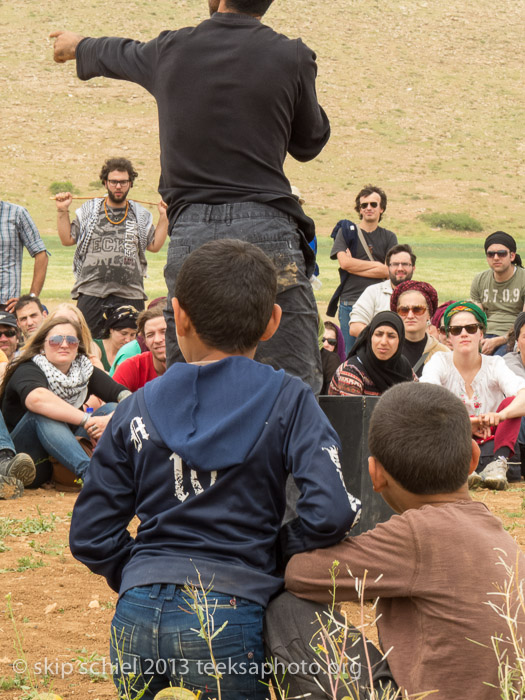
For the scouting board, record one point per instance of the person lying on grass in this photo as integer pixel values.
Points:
(434, 566)
(201, 455)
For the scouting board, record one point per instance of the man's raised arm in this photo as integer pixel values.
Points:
(65, 45)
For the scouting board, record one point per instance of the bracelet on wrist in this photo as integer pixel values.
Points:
(84, 420)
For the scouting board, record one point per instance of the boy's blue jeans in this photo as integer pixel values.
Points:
(155, 638)
(40, 436)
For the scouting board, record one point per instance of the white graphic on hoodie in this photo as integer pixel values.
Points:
(333, 453)
(138, 432)
(179, 468)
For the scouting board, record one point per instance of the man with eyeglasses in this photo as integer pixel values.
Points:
(500, 291)
(401, 263)
(360, 268)
(111, 235)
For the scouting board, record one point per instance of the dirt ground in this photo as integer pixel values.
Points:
(61, 613)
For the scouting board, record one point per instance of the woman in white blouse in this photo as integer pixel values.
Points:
(493, 394)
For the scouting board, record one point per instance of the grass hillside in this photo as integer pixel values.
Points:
(425, 99)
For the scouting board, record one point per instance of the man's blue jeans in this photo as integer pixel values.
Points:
(294, 347)
(501, 350)
(6, 442)
(345, 309)
(40, 437)
(155, 638)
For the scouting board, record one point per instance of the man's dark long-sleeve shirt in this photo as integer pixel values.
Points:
(233, 98)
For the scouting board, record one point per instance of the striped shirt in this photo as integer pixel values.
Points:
(16, 231)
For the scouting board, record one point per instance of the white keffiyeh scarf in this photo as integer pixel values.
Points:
(72, 387)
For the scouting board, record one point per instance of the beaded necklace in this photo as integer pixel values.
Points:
(107, 215)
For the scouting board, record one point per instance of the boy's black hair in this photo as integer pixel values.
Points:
(228, 287)
(257, 8)
(422, 436)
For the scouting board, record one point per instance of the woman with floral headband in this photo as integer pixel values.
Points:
(120, 327)
(416, 303)
(493, 394)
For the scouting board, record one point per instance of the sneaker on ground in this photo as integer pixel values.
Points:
(494, 476)
(474, 480)
(10, 487)
(21, 466)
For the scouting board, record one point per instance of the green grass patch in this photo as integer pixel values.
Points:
(452, 221)
(13, 527)
(65, 186)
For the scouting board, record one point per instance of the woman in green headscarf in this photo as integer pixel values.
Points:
(493, 394)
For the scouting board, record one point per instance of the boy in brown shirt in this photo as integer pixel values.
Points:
(434, 566)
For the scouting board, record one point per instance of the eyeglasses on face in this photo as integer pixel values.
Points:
(118, 183)
(417, 310)
(55, 341)
(8, 334)
(471, 328)
(405, 266)
(499, 253)
(365, 205)
(330, 341)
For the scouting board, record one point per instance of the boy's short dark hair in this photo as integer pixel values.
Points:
(422, 436)
(400, 248)
(228, 288)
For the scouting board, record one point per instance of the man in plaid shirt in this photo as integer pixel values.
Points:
(16, 231)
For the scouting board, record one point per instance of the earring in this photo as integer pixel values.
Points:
(429, 322)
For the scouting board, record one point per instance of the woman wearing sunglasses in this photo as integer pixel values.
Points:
(416, 302)
(493, 394)
(43, 392)
(376, 362)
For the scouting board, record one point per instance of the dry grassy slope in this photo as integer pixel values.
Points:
(425, 98)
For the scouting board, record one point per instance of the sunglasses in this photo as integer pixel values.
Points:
(55, 341)
(364, 205)
(499, 253)
(8, 334)
(330, 341)
(417, 310)
(471, 328)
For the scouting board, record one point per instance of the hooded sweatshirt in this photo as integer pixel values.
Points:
(201, 455)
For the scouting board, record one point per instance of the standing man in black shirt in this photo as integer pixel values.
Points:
(233, 97)
(363, 271)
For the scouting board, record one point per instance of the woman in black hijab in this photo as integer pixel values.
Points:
(376, 362)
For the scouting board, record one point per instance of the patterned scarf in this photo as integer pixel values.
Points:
(72, 387)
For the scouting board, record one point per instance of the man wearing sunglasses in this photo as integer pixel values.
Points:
(362, 267)
(500, 291)
(111, 235)
(9, 334)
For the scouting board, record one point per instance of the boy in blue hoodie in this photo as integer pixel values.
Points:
(201, 455)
